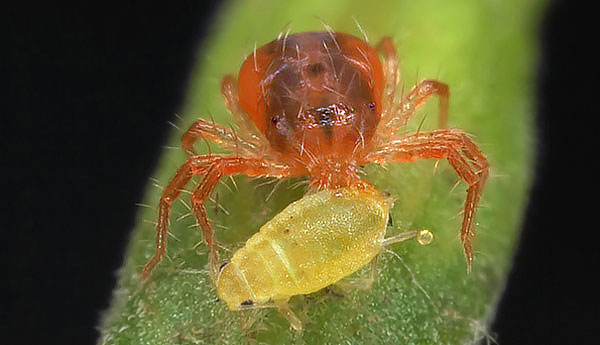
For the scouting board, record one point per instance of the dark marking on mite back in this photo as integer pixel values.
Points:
(315, 69)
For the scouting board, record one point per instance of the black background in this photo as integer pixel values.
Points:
(90, 89)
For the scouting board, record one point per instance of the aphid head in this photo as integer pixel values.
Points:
(233, 288)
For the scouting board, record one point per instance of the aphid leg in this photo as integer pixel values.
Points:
(284, 308)
(219, 167)
(193, 166)
(362, 283)
(462, 154)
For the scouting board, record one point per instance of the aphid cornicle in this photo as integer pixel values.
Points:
(317, 104)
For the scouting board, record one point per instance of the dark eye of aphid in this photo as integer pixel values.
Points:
(247, 302)
(274, 120)
(372, 106)
(223, 266)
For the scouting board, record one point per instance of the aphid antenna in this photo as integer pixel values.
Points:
(330, 31)
(360, 28)
(416, 282)
(169, 147)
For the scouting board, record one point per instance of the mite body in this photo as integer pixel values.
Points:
(313, 243)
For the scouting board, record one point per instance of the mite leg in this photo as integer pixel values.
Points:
(362, 283)
(248, 130)
(407, 107)
(420, 94)
(226, 166)
(227, 138)
(387, 48)
(462, 154)
(194, 165)
(284, 308)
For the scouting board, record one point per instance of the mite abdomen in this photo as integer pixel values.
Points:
(311, 244)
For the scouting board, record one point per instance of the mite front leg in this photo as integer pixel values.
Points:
(387, 48)
(248, 130)
(194, 166)
(462, 154)
(226, 166)
(227, 138)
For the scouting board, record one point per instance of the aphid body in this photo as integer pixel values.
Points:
(313, 243)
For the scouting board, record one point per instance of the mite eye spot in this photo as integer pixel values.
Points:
(274, 120)
(247, 302)
(371, 106)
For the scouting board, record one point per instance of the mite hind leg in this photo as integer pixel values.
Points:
(464, 156)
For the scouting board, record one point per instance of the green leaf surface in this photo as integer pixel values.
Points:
(486, 51)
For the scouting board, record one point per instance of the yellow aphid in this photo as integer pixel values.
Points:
(314, 242)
